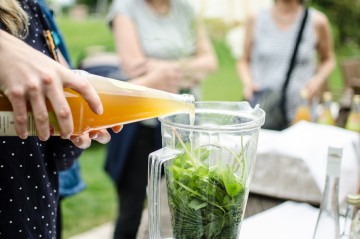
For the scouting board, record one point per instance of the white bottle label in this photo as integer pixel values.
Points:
(334, 166)
(7, 127)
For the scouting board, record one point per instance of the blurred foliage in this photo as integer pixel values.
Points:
(345, 17)
(96, 6)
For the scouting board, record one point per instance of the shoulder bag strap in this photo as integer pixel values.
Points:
(292, 63)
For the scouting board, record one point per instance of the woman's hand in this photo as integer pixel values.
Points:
(314, 87)
(30, 78)
(249, 90)
(102, 136)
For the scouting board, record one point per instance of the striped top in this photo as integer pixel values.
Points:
(271, 53)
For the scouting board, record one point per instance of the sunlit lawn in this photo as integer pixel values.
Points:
(96, 205)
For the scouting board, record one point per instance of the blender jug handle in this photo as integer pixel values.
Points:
(156, 160)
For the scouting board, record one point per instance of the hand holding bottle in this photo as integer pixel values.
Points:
(29, 78)
(102, 136)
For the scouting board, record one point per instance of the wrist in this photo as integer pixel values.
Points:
(2, 36)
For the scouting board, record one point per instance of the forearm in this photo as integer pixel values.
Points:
(195, 68)
(198, 68)
(324, 70)
(243, 69)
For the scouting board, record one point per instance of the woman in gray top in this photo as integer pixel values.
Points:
(159, 37)
(269, 43)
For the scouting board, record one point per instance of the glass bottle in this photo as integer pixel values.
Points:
(327, 225)
(353, 120)
(122, 102)
(325, 116)
(303, 111)
(352, 218)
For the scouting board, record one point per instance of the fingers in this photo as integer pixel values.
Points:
(40, 114)
(102, 136)
(80, 84)
(17, 98)
(55, 93)
(84, 141)
(117, 129)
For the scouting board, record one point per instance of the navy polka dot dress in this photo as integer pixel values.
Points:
(29, 168)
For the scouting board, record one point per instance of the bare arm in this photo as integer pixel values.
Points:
(243, 65)
(137, 66)
(195, 68)
(326, 54)
(128, 46)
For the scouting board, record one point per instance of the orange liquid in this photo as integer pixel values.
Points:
(302, 113)
(118, 109)
(121, 109)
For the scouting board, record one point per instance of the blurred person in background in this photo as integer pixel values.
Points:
(161, 45)
(268, 47)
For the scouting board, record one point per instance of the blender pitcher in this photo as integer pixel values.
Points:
(208, 162)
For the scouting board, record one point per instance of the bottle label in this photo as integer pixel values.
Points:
(7, 126)
(333, 166)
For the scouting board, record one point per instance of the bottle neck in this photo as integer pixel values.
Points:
(331, 191)
(348, 220)
(330, 201)
(327, 105)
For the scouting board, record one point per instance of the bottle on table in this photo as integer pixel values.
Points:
(353, 120)
(325, 116)
(352, 218)
(122, 102)
(303, 111)
(327, 225)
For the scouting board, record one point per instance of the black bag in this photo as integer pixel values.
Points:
(273, 102)
(270, 101)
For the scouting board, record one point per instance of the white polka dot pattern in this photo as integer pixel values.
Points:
(28, 168)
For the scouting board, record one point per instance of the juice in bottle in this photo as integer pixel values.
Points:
(325, 116)
(122, 102)
(353, 120)
(303, 110)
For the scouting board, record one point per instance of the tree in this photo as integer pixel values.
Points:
(345, 16)
(97, 6)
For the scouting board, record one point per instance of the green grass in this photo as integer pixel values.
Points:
(79, 35)
(97, 204)
(223, 84)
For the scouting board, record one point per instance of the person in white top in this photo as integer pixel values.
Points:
(269, 43)
(151, 36)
